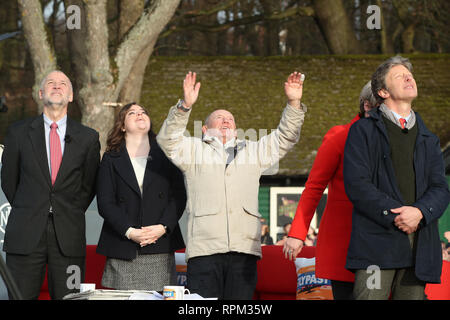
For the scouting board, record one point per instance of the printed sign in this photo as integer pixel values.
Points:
(309, 287)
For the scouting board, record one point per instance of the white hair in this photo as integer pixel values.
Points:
(45, 79)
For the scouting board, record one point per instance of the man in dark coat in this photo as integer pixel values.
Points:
(48, 175)
(394, 176)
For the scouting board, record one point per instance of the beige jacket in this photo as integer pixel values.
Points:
(222, 200)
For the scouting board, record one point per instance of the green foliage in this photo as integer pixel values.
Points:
(252, 89)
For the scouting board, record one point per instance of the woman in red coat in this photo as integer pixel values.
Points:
(336, 221)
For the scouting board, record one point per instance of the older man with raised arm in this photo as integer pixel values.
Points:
(222, 181)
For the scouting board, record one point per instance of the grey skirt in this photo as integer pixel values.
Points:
(146, 272)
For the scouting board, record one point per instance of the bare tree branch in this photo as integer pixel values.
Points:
(148, 27)
(197, 13)
(289, 13)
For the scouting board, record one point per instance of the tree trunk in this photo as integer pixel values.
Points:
(92, 67)
(335, 25)
(97, 81)
(272, 38)
(409, 21)
(408, 38)
(106, 83)
(204, 43)
(132, 87)
(387, 43)
(130, 11)
(41, 52)
(272, 27)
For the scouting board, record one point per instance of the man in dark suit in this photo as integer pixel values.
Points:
(49, 166)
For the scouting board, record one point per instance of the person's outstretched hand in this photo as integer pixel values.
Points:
(293, 89)
(191, 89)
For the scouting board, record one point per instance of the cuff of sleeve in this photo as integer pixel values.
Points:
(296, 237)
(127, 234)
(303, 108)
(165, 228)
(426, 214)
(296, 234)
(179, 107)
(388, 220)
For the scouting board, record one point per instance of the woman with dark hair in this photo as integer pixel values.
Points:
(141, 197)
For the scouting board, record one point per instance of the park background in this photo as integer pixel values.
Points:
(117, 51)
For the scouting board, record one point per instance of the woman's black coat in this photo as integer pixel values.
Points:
(121, 204)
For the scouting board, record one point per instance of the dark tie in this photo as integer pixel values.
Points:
(55, 151)
(402, 122)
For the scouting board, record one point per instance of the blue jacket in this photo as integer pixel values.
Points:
(371, 186)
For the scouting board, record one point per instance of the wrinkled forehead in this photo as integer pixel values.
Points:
(398, 69)
(221, 113)
(57, 76)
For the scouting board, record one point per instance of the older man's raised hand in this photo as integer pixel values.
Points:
(293, 88)
(191, 89)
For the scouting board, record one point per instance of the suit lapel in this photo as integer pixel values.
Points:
(154, 163)
(124, 168)
(37, 137)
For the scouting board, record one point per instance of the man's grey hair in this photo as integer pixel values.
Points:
(207, 119)
(366, 95)
(379, 77)
(46, 76)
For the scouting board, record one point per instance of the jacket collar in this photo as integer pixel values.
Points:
(123, 166)
(376, 115)
(216, 143)
(37, 137)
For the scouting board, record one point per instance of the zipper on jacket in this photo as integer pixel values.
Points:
(226, 207)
